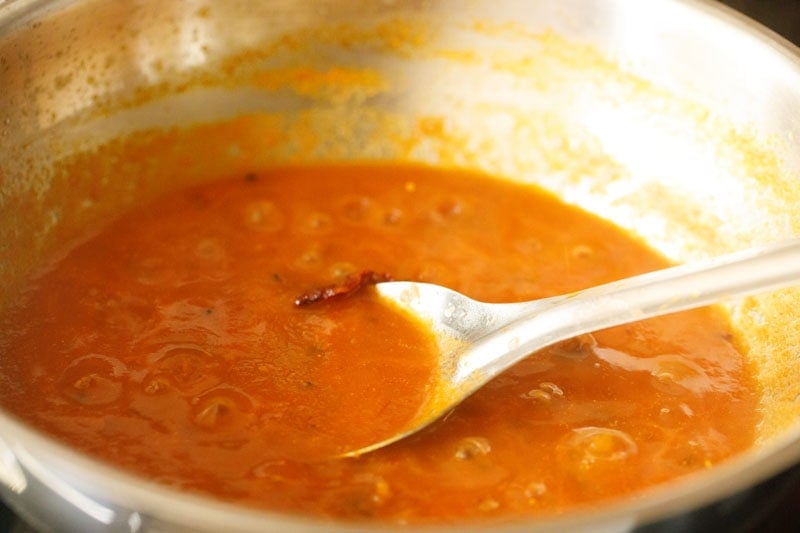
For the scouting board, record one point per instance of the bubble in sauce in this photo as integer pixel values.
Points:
(538, 395)
(575, 348)
(341, 270)
(700, 450)
(675, 374)
(270, 470)
(488, 505)
(221, 408)
(213, 412)
(318, 222)
(590, 446)
(393, 216)
(94, 380)
(582, 251)
(361, 498)
(156, 385)
(356, 209)
(450, 208)
(535, 491)
(263, 216)
(545, 392)
(672, 373)
(309, 258)
(187, 368)
(129, 313)
(551, 388)
(525, 495)
(472, 447)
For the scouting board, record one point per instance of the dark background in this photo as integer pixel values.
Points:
(782, 16)
(783, 513)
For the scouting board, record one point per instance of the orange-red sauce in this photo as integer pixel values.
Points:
(168, 343)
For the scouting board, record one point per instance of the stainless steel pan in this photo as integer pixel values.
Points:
(676, 119)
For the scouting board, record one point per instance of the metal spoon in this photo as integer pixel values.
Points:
(479, 340)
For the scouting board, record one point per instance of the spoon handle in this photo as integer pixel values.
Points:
(632, 299)
(697, 284)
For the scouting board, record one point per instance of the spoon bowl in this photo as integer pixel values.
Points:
(479, 340)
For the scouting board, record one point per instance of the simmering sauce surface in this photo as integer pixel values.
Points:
(168, 343)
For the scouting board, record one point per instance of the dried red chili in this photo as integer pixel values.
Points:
(349, 286)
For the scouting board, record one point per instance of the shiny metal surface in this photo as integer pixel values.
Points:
(674, 118)
(480, 340)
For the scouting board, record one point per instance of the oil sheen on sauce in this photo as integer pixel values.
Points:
(167, 343)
